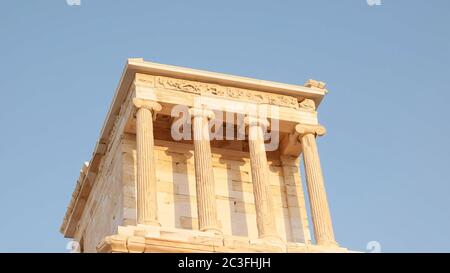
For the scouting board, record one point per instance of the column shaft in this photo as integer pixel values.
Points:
(146, 177)
(321, 217)
(261, 185)
(204, 176)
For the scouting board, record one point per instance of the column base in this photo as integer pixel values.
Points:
(175, 240)
(328, 244)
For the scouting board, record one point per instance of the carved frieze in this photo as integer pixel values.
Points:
(308, 104)
(201, 88)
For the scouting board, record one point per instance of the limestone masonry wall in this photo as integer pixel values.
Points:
(112, 202)
(103, 212)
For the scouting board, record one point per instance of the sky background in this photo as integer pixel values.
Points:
(385, 156)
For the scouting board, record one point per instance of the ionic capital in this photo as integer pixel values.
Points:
(147, 104)
(256, 121)
(201, 112)
(316, 130)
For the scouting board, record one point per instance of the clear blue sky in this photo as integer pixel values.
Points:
(385, 157)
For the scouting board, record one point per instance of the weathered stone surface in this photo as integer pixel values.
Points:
(144, 191)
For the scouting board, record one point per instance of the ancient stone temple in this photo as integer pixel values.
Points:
(195, 161)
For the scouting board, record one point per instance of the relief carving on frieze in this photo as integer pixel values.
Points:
(201, 88)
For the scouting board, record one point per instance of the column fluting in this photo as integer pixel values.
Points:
(146, 190)
(320, 212)
(265, 218)
(204, 175)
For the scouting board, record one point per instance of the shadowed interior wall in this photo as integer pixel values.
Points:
(177, 205)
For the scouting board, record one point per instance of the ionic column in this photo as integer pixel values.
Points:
(204, 176)
(320, 212)
(146, 179)
(265, 219)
